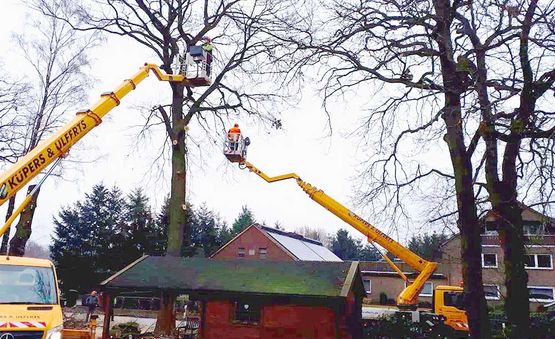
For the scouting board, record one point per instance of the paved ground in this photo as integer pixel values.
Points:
(147, 324)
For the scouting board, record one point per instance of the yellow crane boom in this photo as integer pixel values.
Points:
(409, 296)
(59, 144)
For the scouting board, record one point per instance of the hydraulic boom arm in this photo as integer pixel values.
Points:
(59, 144)
(409, 295)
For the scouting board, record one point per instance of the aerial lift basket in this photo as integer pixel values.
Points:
(195, 67)
(235, 148)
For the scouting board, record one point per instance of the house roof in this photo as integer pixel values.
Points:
(301, 278)
(301, 247)
(295, 245)
(382, 268)
(528, 214)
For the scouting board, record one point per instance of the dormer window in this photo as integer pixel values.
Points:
(533, 229)
(490, 228)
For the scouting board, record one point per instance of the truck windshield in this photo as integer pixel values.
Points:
(455, 299)
(27, 285)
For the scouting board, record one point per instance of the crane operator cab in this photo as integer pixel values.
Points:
(235, 146)
(196, 64)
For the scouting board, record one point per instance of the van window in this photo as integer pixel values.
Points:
(27, 285)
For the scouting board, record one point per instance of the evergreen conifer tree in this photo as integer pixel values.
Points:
(89, 239)
(244, 220)
(141, 228)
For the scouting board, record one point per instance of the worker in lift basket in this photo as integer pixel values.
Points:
(234, 135)
(208, 48)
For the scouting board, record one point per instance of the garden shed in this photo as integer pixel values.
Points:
(254, 299)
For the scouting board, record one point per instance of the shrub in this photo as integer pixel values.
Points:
(383, 298)
(400, 325)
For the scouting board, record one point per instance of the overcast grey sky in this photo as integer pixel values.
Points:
(110, 154)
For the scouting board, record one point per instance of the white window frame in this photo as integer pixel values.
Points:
(432, 289)
(484, 263)
(543, 300)
(370, 283)
(263, 252)
(536, 267)
(498, 292)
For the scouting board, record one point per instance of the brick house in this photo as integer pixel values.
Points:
(378, 277)
(540, 247)
(260, 242)
(253, 298)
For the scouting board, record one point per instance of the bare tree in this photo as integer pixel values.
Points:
(12, 97)
(406, 52)
(36, 250)
(466, 63)
(314, 233)
(242, 65)
(57, 56)
(522, 51)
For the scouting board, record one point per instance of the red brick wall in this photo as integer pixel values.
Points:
(495, 276)
(392, 286)
(252, 240)
(276, 321)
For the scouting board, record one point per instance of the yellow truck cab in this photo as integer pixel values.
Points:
(29, 299)
(449, 302)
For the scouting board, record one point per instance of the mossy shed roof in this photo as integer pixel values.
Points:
(302, 278)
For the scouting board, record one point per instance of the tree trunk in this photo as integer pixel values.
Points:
(516, 279)
(475, 301)
(23, 229)
(177, 210)
(511, 233)
(469, 227)
(468, 223)
(165, 323)
(6, 237)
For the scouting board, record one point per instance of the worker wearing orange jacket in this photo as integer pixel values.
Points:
(234, 135)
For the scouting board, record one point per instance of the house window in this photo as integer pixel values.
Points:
(490, 228)
(544, 260)
(540, 294)
(533, 229)
(428, 289)
(241, 252)
(489, 260)
(367, 285)
(491, 292)
(538, 261)
(263, 253)
(246, 312)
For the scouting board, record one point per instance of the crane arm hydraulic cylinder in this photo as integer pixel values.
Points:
(409, 295)
(59, 144)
